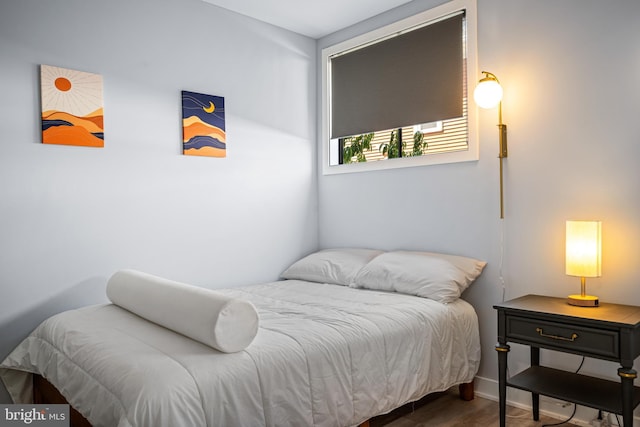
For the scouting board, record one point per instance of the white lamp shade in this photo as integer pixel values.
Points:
(583, 248)
(488, 93)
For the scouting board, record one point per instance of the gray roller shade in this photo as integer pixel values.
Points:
(413, 78)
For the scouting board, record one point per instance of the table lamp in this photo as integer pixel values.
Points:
(583, 257)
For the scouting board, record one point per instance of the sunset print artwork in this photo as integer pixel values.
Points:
(203, 130)
(72, 107)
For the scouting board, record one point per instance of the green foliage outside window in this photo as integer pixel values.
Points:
(391, 149)
(419, 144)
(355, 146)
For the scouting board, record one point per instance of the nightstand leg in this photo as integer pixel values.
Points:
(627, 375)
(503, 350)
(535, 397)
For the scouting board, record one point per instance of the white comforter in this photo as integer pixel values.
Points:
(325, 355)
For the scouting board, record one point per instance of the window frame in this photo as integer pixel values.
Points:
(434, 14)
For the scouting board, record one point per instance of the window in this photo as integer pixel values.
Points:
(397, 96)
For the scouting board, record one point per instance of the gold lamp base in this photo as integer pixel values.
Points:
(583, 300)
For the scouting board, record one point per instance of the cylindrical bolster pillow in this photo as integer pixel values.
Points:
(224, 323)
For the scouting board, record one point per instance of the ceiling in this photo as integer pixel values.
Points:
(312, 18)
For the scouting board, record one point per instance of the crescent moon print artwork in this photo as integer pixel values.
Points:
(72, 107)
(203, 130)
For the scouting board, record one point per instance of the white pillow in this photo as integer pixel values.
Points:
(335, 266)
(214, 319)
(430, 275)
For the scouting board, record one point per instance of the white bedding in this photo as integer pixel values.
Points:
(325, 355)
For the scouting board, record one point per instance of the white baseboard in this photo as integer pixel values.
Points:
(488, 389)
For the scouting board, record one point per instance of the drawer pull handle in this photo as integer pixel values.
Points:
(574, 336)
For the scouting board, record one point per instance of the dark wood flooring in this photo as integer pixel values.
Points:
(448, 410)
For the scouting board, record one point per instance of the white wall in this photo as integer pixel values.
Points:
(571, 75)
(70, 216)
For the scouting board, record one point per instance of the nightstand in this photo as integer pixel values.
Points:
(609, 332)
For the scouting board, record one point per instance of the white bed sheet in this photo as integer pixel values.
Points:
(325, 355)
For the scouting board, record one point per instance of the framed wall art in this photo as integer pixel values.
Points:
(203, 125)
(72, 107)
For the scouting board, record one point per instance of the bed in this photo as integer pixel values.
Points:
(333, 348)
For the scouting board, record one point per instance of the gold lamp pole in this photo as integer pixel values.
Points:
(488, 94)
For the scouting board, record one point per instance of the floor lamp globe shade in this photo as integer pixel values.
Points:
(488, 93)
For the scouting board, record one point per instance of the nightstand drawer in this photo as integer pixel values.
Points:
(564, 336)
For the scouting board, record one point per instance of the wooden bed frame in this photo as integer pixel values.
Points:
(44, 392)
